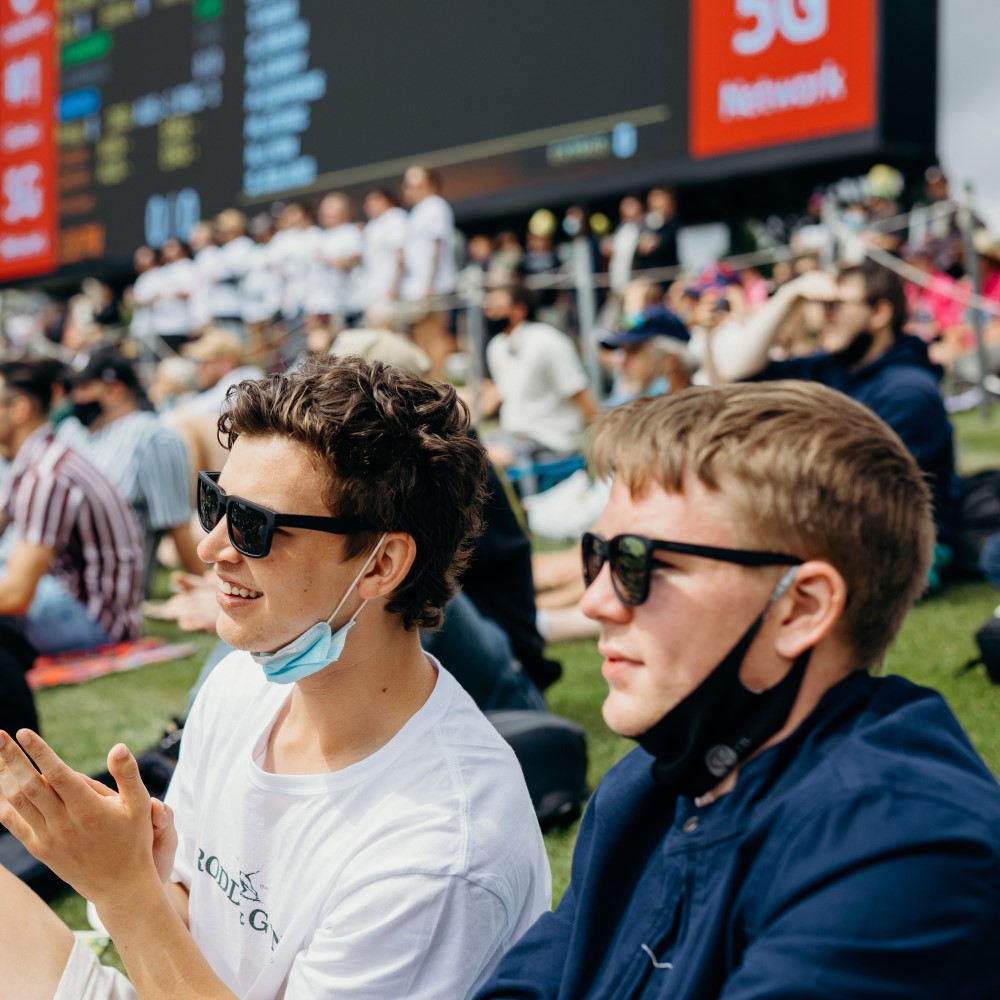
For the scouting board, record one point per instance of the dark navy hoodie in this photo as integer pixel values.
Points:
(858, 859)
(902, 386)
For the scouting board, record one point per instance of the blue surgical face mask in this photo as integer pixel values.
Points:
(317, 647)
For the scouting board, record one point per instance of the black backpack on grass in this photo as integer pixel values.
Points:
(978, 519)
(552, 753)
(988, 641)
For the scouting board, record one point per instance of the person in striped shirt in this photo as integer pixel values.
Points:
(148, 462)
(68, 521)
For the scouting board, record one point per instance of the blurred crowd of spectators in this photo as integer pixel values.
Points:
(244, 296)
(146, 371)
(291, 277)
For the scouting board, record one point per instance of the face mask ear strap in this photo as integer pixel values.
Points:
(354, 582)
(787, 579)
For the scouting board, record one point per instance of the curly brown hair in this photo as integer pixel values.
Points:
(397, 452)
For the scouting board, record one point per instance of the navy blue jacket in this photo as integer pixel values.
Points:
(902, 387)
(859, 858)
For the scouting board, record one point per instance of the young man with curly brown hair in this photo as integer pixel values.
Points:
(343, 821)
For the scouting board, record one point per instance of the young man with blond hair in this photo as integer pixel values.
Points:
(790, 826)
(343, 821)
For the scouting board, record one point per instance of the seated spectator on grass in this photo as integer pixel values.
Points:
(866, 355)
(651, 356)
(114, 426)
(489, 640)
(65, 518)
(790, 825)
(173, 384)
(343, 821)
(219, 356)
(538, 380)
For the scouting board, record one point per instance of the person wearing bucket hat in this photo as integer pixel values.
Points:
(651, 355)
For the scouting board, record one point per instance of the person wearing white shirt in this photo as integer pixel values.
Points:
(381, 270)
(621, 245)
(339, 252)
(227, 268)
(538, 381)
(429, 263)
(203, 252)
(294, 250)
(262, 290)
(343, 821)
(171, 307)
(143, 293)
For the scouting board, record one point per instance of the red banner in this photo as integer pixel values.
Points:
(28, 206)
(770, 72)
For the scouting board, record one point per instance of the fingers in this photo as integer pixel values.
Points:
(164, 839)
(184, 582)
(66, 783)
(25, 796)
(163, 815)
(99, 786)
(125, 770)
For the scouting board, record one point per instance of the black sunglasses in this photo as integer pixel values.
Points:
(631, 558)
(251, 527)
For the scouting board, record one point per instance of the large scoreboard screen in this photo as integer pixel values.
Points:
(125, 121)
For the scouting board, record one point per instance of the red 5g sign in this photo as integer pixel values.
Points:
(769, 72)
(797, 23)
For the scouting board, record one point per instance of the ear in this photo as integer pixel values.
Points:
(882, 314)
(390, 566)
(810, 609)
(22, 409)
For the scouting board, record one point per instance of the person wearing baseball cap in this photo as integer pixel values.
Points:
(116, 428)
(651, 355)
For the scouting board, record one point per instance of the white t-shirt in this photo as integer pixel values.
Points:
(536, 369)
(383, 238)
(329, 292)
(623, 244)
(145, 288)
(262, 288)
(294, 257)
(408, 874)
(430, 221)
(171, 312)
(201, 300)
(226, 269)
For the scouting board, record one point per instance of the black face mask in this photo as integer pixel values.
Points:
(721, 723)
(87, 413)
(495, 326)
(855, 350)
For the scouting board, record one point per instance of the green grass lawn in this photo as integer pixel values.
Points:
(83, 722)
